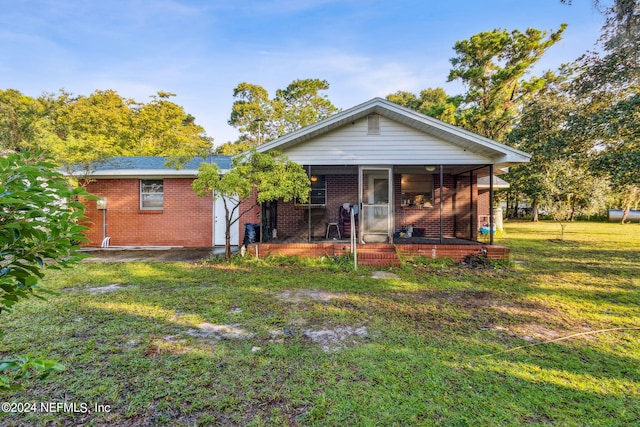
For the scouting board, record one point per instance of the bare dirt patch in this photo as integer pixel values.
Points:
(337, 338)
(218, 332)
(301, 295)
(105, 289)
(162, 255)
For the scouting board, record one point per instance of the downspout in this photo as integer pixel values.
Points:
(104, 229)
(441, 203)
(491, 204)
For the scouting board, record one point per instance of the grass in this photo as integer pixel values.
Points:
(310, 343)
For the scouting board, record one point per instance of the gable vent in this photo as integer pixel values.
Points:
(374, 125)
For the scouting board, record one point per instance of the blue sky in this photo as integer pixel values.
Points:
(201, 49)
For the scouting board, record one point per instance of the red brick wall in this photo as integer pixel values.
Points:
(340, 189)
(186, 219)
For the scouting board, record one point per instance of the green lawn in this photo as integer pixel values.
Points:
(311, 343)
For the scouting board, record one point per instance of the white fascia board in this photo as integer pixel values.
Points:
(136, 173)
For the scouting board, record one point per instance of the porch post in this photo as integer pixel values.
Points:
(309, 212)
(471, 206)
(491, 204)
(441, 206)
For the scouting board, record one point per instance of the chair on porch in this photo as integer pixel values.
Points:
(344, 219)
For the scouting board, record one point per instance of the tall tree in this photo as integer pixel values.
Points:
(608, 88)
(493, 65)
(271, 175)
(250, 112)
(540, 131)
(22, 120)
(301, 104)
(163, 128)
(431, 102)
(260, 119)
(89, 129)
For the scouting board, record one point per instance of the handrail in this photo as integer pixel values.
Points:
(354, 240)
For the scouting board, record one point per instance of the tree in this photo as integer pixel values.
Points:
(570, 188)
(250, 111)
(21, 120)
(163, 128)
(431, 102)
(542, 131)
(629, 199)
(271, 175)
(39, 230)
(260, 119)
(492, 65)
(609, 89)
(90, 129)
(301, 104)
(83, 130)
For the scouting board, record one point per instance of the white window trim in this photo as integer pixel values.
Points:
(142, 194)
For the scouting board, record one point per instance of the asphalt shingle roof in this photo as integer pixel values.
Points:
(158, 163)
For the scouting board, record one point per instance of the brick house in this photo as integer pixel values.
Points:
(143, 202)
(401, 171)
(407, 178)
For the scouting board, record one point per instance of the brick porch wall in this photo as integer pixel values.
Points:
(340, 189)
(455, 252)
(186, 219)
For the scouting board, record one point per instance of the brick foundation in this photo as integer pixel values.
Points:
(377, 254)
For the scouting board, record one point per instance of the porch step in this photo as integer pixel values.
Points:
(378, 254)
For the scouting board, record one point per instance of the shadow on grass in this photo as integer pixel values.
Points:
(419, 364)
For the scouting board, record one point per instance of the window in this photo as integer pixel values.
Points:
(318, 194)
(417, 190)
(151, 194)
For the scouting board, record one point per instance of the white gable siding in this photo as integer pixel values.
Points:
(396, 144)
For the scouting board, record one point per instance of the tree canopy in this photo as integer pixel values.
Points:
(80, 130)
(271, 175)
(260, 118)
(431, 102)
(492, 65)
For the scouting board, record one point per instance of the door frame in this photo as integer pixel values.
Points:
(372, 173)
(218, 225)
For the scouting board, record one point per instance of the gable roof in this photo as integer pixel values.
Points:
(144, 166)
(498, 154)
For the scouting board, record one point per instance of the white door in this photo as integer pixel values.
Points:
(219, 223)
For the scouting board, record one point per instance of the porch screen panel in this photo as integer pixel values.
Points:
(376, 218)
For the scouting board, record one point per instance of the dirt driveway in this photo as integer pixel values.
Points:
(144, 254)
